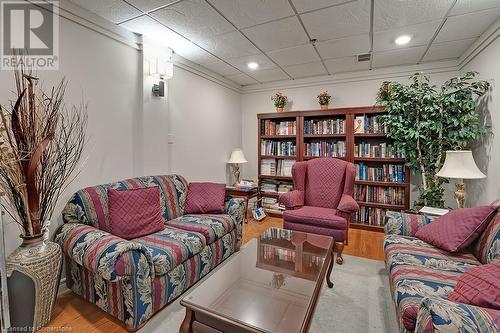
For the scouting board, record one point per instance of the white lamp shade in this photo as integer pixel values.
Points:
(460, 164)
(237, 156)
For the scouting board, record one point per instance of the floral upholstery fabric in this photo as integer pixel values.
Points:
(211, 226)
(170, 247)
(405, 224)
(90, 205)
(438, 315)
(133, 279)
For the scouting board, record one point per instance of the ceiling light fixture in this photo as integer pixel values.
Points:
(403, 40)
(253, 65)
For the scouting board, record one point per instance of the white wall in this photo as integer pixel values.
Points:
(487, 152)
(205, 121)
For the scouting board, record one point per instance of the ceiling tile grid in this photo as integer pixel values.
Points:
(225, 35)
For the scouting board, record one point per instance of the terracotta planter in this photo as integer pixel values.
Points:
(279, 109)
(33, 274)
(323, 106)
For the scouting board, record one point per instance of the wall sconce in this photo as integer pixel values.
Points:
(163, 70)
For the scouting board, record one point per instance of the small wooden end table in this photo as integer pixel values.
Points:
(244, 194)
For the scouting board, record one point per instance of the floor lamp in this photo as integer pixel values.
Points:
(460, 165)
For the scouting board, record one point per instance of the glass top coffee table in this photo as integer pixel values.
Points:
(270, 285)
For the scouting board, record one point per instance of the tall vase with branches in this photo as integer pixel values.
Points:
(424, 121)
(41, 143)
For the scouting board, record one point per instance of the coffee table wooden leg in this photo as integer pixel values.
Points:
(330, 267)
(187, 324)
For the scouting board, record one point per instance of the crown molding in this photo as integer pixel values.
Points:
(488, 37)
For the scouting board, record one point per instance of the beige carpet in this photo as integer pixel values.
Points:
(360, 301)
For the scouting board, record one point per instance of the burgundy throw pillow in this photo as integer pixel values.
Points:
(205, 198)
(458, 228)
(479, 286)
(135, 212)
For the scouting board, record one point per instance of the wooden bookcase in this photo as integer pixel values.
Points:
(350, 139)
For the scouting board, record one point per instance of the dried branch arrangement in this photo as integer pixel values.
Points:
(41, 143)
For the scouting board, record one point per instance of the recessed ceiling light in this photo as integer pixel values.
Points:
(253, 65)
(402, 40)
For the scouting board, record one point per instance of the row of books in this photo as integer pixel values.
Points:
(275, 186)
(273, 233)
(369, 124)
(370, 216)
(278, 148)
(273, 167)
(325, 149)
(380, 150)
(324, 126)
(379, 194)
(384, 173)
(272, 204)
(271, 254)
(270, 127)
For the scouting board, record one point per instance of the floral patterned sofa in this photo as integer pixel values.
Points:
(422, 276)
(133, 279)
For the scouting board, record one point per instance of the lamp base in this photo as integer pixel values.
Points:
(460, 194)
(236, 175)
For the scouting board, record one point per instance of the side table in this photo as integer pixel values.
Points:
(244, 194)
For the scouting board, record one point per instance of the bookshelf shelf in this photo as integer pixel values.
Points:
(329, 123)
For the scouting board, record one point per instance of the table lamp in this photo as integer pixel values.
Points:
(460, 165)
(236, 158)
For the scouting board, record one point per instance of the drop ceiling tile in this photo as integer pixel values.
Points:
(407, 56)
(229, 45)
(344, 47)
(112, 10)
(242, 79)
(340, 21)
(278, 34)
(469, 6)
(468, 25)
(246, 13)
(306, 70)
(194, 19)
(421, 35)
(149, 27)
(294, 55)
(241, 63)
(448, 50)
(307, 5)
(147, 5)
(390, 14)
(267, 75)
(221, 68)
(347, 64)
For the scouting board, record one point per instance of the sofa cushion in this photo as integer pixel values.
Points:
(487, 247)
(135, 212)
(203, 198)
(211, 226)
(171, 247)
(319, 216)
(479, 286)
(457, 229)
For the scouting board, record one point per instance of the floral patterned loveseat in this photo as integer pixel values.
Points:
(422, 276)
(133, 279)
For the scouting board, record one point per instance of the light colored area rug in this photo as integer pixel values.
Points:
(360, 301)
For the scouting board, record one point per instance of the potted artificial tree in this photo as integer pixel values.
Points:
(41, 143)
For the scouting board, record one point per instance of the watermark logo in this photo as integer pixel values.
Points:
(31, 29)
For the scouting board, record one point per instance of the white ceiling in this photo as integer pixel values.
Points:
(224, 35)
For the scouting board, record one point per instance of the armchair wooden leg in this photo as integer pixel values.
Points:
(339, 247)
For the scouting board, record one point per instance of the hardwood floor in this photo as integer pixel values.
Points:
(73, 314)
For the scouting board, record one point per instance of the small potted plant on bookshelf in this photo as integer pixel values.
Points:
(279, 101)
(324, 100)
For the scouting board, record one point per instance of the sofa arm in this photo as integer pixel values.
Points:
(347, 204)
(292, 199)
(440, 315)
(405, 224)
(100, 252)
(235, 207)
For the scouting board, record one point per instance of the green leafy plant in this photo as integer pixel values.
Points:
(279, 100)
(324, 98)
(425, 121)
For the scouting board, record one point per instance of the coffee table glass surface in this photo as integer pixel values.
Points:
(271, 285)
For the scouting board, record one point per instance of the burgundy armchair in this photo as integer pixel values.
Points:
(321, 202)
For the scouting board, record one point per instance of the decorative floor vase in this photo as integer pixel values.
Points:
(33, 274)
